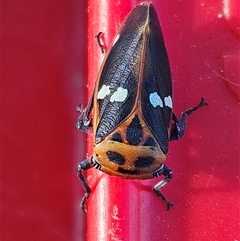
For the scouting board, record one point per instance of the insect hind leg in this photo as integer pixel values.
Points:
(82, 166)
(179, 125)
(167, 172)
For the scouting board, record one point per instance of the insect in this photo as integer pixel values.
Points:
(131, 106)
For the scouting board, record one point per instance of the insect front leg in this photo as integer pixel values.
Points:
(100, 42)
(167, 172)
(179, 125)
(84, 122)
(82, 166)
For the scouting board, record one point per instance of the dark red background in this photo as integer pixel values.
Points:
(45, 76)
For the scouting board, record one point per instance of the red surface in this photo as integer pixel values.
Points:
(44, 78)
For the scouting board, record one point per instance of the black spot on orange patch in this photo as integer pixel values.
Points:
(134, 172)
(116, 137)
(144, 162)
(115, 157)
(134, 132)
(150, 142)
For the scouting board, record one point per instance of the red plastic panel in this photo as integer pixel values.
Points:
(231, 9)
(205, 163)
(232, 74)
(44, 78)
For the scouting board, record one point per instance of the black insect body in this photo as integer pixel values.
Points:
(132, 105)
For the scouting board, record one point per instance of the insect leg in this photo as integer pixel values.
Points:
(100, 42)
(201, 103)
(167, 172)
(179, 125)
(82, 166)
(83, 122)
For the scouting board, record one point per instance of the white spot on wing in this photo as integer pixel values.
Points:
(119, 95)
(155, 100)
(103, 92)
(168, 101)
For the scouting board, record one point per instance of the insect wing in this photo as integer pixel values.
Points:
(136, 69)
(116, 90)
(156, 96)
